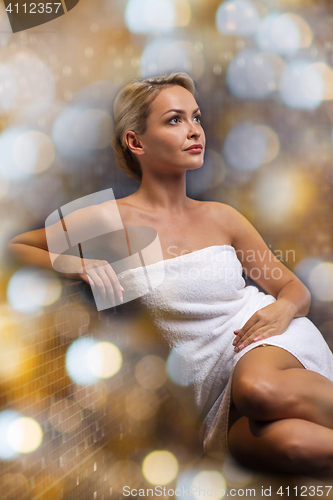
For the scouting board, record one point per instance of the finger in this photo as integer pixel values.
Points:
(238, 341)
(246, 331)
(250, 322)
(98, 287)
(261, 322)
(259, 335)
(109, 290)
(108, 286)
(87, 280)
(118, 289)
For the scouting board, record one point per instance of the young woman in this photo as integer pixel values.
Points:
(271, 407)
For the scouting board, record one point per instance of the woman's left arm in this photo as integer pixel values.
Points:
(263, 267)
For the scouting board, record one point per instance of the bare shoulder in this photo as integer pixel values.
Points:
(223, 212)
(230, 221)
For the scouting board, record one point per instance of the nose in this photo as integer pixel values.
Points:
(194, 130)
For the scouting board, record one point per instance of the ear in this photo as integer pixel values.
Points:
(134, 143)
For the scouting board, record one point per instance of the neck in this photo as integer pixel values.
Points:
(165, 194)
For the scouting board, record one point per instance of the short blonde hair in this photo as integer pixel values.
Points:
(131, 110)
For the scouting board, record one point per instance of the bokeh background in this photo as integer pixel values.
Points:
(84, 408)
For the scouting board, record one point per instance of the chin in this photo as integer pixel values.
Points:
(195, 166)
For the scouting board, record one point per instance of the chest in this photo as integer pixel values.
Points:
(180, 236)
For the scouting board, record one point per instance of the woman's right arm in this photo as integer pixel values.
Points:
(31, 249)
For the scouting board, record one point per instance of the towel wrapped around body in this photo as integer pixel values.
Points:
(200, 301)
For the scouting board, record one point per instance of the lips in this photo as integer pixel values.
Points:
(195, 147)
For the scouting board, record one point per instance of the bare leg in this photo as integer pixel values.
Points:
(291, 446)
(281, 416)
(269, 384)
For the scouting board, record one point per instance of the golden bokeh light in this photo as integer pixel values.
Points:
(281, 194)
(11, 349)
(321, 281)
(272, 143)
(326, 73)
(182, 13)
(104, 360)
(25, 435)
(142, 404)
(209, 480)
(160, 467)
(150, 372)
(11, 358)
(30, 289)
(305, 32)
(31, 78)
(33, 152)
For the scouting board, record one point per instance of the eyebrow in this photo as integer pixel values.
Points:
(181, 111)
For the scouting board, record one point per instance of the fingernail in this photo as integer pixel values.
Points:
(241, 347)
(122, 289)
(121, 299)
(236, 349)
(234, 342)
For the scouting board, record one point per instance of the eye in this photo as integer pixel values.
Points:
(198, 118)
(174, 118)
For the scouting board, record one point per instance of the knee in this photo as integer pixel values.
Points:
(289, 453)
(255, 397)
(293, 450)
(297, 452)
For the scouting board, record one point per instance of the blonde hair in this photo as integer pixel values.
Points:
(131, 110)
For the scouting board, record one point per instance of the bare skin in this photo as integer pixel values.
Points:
(281, 416)
(284, 424)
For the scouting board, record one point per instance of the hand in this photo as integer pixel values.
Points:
(271, 320)
(102, 279)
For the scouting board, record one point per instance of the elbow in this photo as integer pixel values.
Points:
(10, 254)
(308, 298)
(11, 246)
(11, 243)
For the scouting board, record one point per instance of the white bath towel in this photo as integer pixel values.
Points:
(201, 300)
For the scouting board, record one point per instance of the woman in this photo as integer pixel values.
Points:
(271, 407)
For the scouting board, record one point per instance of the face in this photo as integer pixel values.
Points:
(173, 126)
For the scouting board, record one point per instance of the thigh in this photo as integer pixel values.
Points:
(252, 444)
(264, 359)
(262, 363)
(289, 445)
